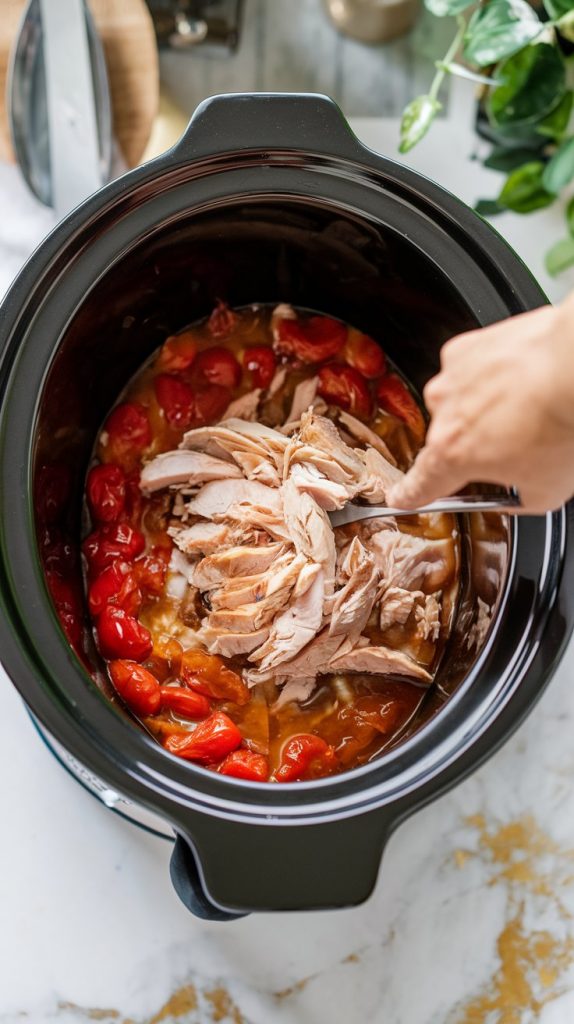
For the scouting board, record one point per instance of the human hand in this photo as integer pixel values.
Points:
(502, 412)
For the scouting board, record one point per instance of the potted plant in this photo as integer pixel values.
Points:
(520, 58)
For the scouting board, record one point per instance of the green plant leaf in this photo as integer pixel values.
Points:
(556, 122)
(504, 159)
(442, 8)
(533, 83)
(488, 207)
(570, 217)
(523, 190)
(560, 256)
(557, 8)
(565, 26)
(560, 169)
(416, 121)
(498, 30)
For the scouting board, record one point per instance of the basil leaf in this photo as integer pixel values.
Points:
(499, 29)
(441, 8)
(560, 256)
(416, 121)
(533, 83)
(556, 122)
(560, 169)
(503, 159)
(570, 216)
(488, 207)
(523, 190)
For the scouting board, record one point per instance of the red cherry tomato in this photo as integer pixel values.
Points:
(394, 397)
(344, 386)
(136, 686)
(106, 492)
(150, 572)
(208, 674)
(260, 363)
(134, 499)
(222, 321)
(176, 398)
(128, 431)
(177, 352)
(364, 355)
(217, 365)
(58, 554)
(121, 635)
(116, 585)
(211, 401)
(184, 702)
(110, 542)
(244, 764)
(53, 490)
(302, 753)
(67, 599)
(311, 340)
(211, 741)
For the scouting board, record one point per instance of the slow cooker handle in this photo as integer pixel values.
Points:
(268, 121)
(222, 869)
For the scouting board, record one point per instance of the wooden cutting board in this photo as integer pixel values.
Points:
(128, 36)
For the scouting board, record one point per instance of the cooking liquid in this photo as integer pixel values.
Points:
(359, 714)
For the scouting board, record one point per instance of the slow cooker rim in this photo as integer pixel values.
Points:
(67, 231)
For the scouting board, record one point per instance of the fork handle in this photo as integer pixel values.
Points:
(458, 503)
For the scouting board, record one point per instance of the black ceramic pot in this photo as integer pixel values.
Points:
(266, 198)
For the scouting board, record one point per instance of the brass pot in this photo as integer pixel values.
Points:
(372, 21)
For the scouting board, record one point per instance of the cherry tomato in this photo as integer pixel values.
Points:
(211, 741)
(244, 764)
(140, 690)
(211, 401)
(129, 433)
(67, 599)
(184, 702)
(311, 340)
(134, 499)
(176, 399)
(222, 321)
(110, 542)
(260, 362)
(150, 572)
(177, 352)
(121, 635)
(395, 397)
(106, 492)
(364, 355)
(346, 387)
(116, 585)
(303, 753)
(58, 554)
(53, 491)
(208, 674)
(217, 365)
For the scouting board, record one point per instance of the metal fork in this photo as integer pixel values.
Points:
(509, 502)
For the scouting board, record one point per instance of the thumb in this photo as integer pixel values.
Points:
(430, 477)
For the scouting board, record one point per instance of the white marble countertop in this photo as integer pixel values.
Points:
(470, 922)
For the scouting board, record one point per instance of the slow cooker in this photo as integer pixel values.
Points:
(266, 198)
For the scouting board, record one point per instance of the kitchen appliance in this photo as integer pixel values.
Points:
(265, 198)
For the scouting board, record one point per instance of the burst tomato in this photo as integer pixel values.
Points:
(67, 600)
(217, 365)
(128, 433)
(364, 355)
(244, 764)
(136, 686)
(176, 398)
(106, 492)
(260, 363)
(304, 755)
(184, 702)
(311, 340)
(116, 585)
(121, 635)
(211, 741)
(208, 674)
(177, 352)
(394, 397)
(110, 542)
(210, 404)
(150, 572)
(346, 387)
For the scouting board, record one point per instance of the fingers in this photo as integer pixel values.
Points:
(430, 477)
